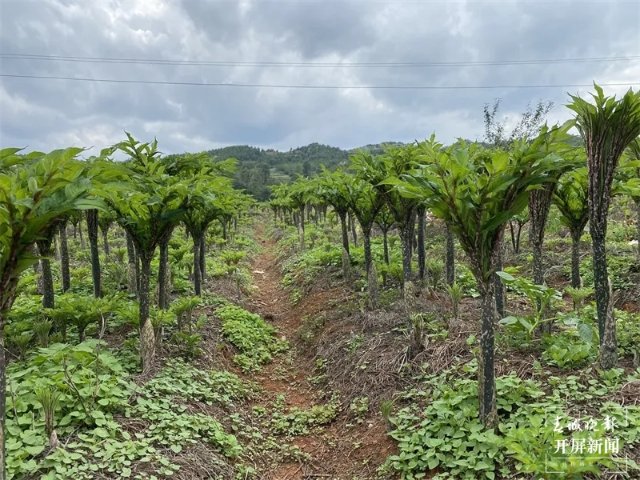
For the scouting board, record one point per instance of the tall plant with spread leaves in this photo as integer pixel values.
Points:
(300, 194)
(571, 200)
(207, 200)
(382, 171)
(540, 201)
(384, 221)
(607, 126)
(333, 190)
(97, 165)
(36, 190)
(148, 207)
(476, 192)
(365, 202)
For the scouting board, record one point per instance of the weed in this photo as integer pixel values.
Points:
(188, 344)
(455, 295)
(386, 410)
(578, 296)
(355, 342)
(253, 337)
(359, 407)
(298, 421)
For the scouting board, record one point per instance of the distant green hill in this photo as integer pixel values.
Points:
(259, 168)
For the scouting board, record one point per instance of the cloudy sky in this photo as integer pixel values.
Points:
(296, 43)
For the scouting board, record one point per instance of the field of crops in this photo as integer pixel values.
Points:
(465, 311)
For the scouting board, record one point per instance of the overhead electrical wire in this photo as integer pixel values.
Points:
(313, 87)
(222, 63)
(346, 64)
(401, 3)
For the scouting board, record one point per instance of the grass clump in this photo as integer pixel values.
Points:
(254, 338)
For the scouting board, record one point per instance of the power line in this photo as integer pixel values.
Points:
(229, 63)
(383, 2)
(313, 87)
(405, 2)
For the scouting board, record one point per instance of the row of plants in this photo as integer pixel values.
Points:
(477, 190)
(515, 447)
(72, 407)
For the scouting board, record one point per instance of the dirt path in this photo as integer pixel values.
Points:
(338, 450)
(272, 302)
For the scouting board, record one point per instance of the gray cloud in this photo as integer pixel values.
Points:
(48, 114)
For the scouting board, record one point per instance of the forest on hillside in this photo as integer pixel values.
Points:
(258, 169)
